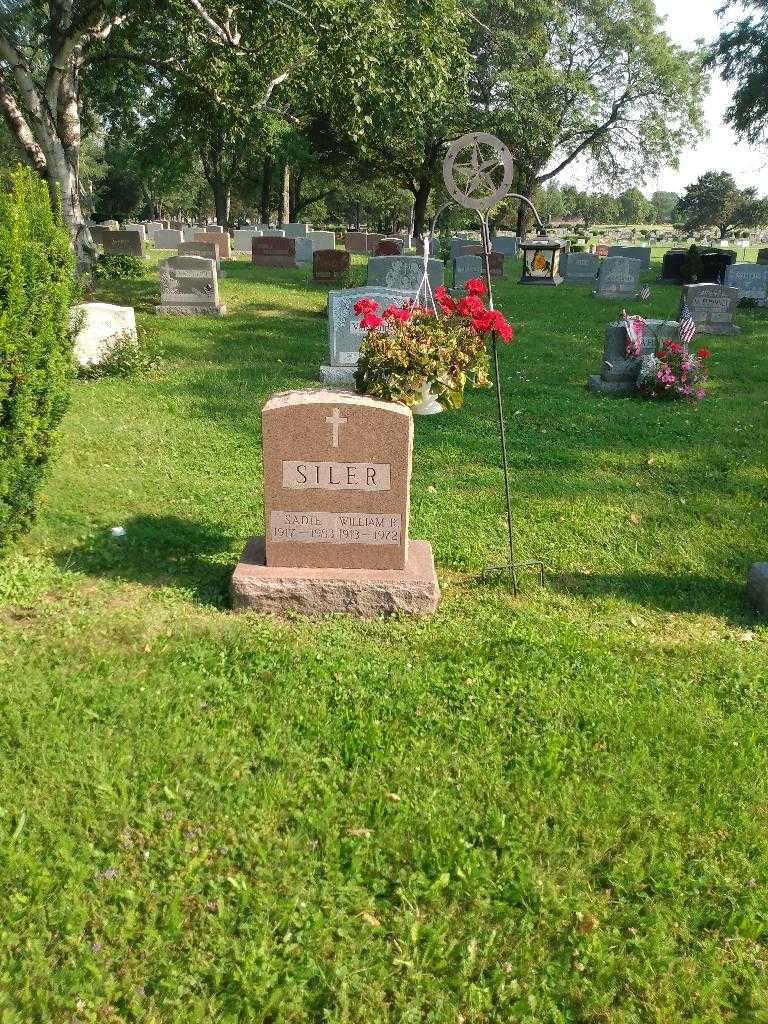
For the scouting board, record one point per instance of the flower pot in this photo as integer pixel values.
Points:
(429, 404)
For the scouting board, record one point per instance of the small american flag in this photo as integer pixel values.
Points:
(687, 324)
(645, 293)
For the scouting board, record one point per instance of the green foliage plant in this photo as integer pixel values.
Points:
(128, 354)
(36, 291)
(409, 349)
(118, 267)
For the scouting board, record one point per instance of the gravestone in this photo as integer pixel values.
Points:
(219, 238)
(750, 280)
(465, 268)
(619, 372)
(207, 250)
(322, 240)
(390, 247)
(296, 230)
(619, 278)
(273, 233)
(403, 273)
(243, 238)
(506, 244)
(345, 335)
(329, 264)
(356, 242)
(111, 225)
(462, 247)
(168, 238)
(714, 263)
(495, 261)
(672, 265)
(762, 256)
(188, 285)
(138, 227)
(304, 250)
(580, 267)
(129, 243)
(100, 325)
(272, 251)
(434, 246)
(153, 226)
(757, 586)
(98, 231)
(372, 240)
(632, 252)
(712, 307)
(337, 473)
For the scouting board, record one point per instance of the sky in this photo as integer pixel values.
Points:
(687, 21)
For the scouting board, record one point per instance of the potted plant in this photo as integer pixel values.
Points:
(424, 357)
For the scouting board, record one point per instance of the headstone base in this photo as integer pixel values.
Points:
(338, 376)
(757, 586)
(180, 310)
(610, 387)
(362, 592)
(730, 329)
(550, 282)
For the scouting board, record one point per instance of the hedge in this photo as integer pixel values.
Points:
(36, 367)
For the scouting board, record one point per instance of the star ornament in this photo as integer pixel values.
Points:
(471, 173)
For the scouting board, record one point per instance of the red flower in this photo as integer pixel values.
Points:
(475, 286)
(365, 306)
(493, 320)
(703, 353)
(471, 305)
(503, 328)
(676, 347)
(370, 320)
(401, 313)
(444, 300)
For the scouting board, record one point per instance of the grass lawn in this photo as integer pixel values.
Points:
(550, 809)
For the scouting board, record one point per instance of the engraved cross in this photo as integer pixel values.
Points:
(336, 421)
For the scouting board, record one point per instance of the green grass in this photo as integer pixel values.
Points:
(550, 809)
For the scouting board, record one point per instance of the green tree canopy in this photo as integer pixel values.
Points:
(741, 51)
(715, 200)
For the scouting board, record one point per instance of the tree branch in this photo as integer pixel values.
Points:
(20, 129)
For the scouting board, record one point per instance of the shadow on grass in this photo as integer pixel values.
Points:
(684, 593)
(159, 551)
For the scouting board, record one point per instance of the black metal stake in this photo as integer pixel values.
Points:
(512, 566)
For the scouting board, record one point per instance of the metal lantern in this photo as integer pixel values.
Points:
(541, 261)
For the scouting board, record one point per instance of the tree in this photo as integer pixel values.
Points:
(600, 82)
(664, 205)
(633, 206)
(716, 201)
(742, 53)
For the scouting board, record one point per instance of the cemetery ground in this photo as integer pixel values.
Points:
(546, 809)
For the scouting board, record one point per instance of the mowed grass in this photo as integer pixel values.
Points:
(550, 809)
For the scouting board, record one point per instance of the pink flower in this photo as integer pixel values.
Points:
(700, 392)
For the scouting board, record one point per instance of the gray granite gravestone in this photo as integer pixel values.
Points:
(762, 256)
(322, 240)
(206, 250)
(619, 372)
(168, 238)
(403, 273)
(632, 252)
(345, 334)
(459, 246)
(750, 280)
(296, 230)
(619, 278)
(304, 249)
(129, 243)
(505, 244)
(580, 266)
(464, 268)
(712, 307)
(356, 242)
(243, 238)
(188, 285)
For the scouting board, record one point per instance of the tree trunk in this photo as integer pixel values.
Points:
(285, 213)
(222, 194)
(266, 191)
(63, 186)
(420, 199)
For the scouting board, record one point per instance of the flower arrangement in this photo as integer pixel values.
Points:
(410, 350)
(672, 372)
